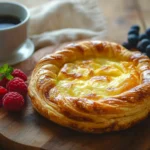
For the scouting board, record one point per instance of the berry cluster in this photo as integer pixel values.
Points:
(13, 88)
(138, 41)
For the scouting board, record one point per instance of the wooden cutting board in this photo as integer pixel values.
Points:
(28, 130)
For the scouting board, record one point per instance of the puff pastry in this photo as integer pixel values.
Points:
(92, 86)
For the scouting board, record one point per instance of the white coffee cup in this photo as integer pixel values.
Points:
(12, 38)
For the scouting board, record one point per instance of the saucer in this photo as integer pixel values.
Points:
(24, 52)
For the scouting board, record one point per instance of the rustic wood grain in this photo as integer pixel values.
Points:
(120, 15)
(30, 131)
(144, 10)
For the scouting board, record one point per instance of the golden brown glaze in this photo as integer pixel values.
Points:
(92, 86)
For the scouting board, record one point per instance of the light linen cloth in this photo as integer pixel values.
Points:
(60, 21)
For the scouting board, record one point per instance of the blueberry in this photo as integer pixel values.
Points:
(126, 45)
(143, 44)
(148, 32)
(136, 27)
(133, 31)
(148, 50)
(133, 40)
(143, 36)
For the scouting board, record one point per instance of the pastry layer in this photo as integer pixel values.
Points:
(92, 86)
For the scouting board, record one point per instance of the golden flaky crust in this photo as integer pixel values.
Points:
(55, 90)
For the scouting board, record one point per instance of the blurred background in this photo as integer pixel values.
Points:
(119, 15)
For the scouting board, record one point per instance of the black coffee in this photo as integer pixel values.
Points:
(7, 21)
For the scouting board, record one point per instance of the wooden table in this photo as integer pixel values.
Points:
(29, 130)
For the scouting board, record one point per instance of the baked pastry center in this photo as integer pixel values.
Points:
(92, 86)
(95, 78)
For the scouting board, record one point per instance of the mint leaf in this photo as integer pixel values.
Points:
(9, 76)
(1, 77)
(10, 69)
(5, 67)
(2, 70)
(5, 71)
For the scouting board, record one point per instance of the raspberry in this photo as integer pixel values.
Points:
(20, 74)
(3, 91)
(13, 101)
(17, 85)
(3, 82)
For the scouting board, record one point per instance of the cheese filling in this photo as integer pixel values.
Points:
(95, 78)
